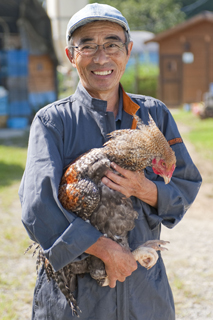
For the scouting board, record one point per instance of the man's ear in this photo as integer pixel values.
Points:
(70, 57)
(130, 45)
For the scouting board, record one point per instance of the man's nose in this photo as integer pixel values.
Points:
(100, 56)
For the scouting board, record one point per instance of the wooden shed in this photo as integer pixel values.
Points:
(186, 60)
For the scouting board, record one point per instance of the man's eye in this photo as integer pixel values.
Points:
(112, 45)
(87, 47)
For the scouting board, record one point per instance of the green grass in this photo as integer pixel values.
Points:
(17, 277)
(200, 133)
(12, 164)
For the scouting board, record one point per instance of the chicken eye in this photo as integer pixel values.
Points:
(163, 164)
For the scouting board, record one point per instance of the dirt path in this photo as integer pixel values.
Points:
(189, 260)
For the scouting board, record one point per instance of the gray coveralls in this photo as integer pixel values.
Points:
(60, 133)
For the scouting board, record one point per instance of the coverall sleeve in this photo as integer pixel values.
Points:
(175, 198)
(63, 236)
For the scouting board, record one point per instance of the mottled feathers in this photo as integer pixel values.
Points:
(82, 192)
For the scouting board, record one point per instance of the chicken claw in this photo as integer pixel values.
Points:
(156, 244)
(146, 254)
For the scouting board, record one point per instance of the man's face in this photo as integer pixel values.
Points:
(100, 73)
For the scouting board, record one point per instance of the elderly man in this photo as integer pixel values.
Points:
(99, 46)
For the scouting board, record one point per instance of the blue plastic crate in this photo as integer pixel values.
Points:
(23, 57)
(17, 57)
(17, 123)
(3, 57)
(17, 63)
(40, 99)
(50, 96)
(17, 70)
(36, 100)
(12, 57)
(3, 64)
(3, 101)
(19, 108)
(3, 106)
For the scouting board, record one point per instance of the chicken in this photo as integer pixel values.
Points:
(82, 192)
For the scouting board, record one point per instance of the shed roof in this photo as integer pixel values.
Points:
(204, 16)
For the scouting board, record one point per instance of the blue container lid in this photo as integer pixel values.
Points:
(17, 123)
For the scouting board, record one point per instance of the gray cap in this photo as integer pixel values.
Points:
(93, 12)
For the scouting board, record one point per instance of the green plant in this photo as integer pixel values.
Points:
(200, 133)
(141, 80)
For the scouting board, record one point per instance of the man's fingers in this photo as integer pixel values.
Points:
(115, 186)
(112, 283)
(120, 170)
(124, 172)
(112, 183)
(114, 177)
(122, 279)
(109, 183)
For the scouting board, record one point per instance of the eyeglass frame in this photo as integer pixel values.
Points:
(97, 46)
(127, 38)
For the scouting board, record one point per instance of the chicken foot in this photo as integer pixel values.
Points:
(146, 254)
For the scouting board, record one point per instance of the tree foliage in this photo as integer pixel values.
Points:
(151, 15)
(192, 7)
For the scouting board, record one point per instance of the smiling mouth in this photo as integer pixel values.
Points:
(102, 73)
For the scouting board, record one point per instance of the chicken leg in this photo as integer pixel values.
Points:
(146, 254)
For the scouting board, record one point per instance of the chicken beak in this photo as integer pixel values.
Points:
(166, 179)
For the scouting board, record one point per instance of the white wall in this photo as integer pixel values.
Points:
(60, 12)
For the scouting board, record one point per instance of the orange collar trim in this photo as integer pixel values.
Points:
(174, 141)
(130, 107)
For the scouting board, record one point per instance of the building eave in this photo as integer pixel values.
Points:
(204, 16)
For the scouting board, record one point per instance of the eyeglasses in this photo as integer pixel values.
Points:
(89, 49)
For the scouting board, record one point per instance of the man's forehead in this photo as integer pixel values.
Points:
(107, 29)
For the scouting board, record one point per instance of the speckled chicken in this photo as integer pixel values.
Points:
(82, 192)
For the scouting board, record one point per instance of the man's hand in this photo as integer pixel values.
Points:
(119, 262)
(131, 184)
